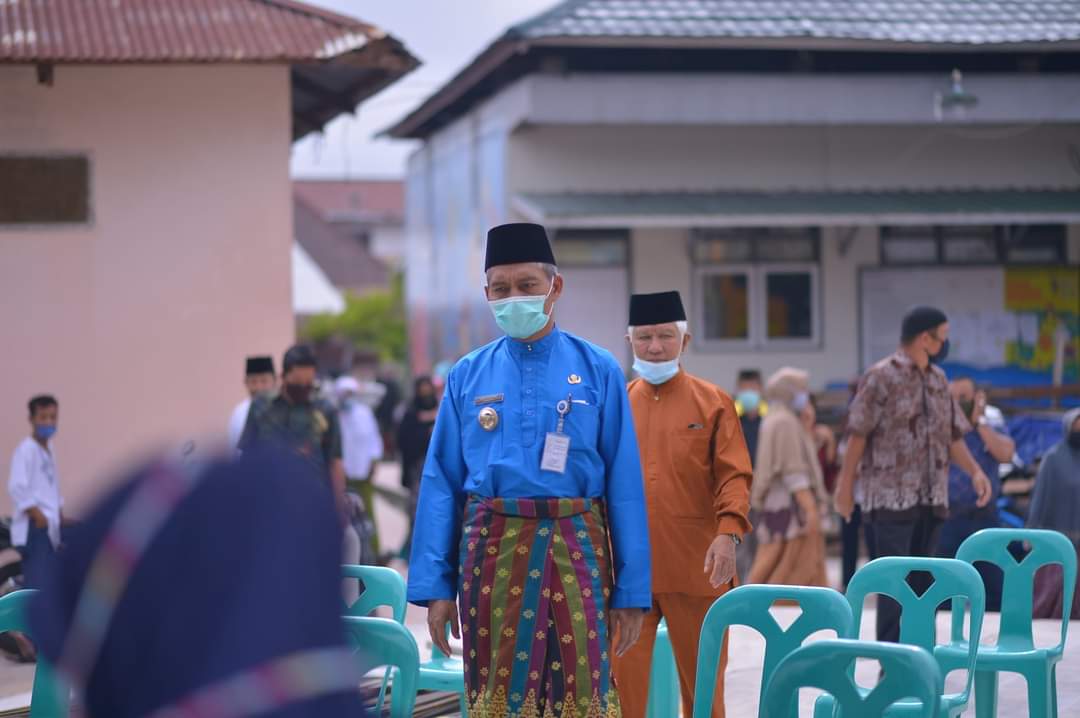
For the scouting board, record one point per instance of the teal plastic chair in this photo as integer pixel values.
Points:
(911, 674)
(664, 694)
(1015, 650)
(954, 581)
(384, 642)
(383, 586)
(822, 610)
(49, 698)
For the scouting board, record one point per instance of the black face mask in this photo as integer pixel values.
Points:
(1074, 439)
(426, 403)
(299, 393)
(942, 354)
(967, 407)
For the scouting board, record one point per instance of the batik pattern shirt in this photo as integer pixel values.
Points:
(910, 421)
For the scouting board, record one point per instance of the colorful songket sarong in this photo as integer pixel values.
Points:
(535, 582)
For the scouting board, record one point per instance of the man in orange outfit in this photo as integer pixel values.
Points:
(697, 487)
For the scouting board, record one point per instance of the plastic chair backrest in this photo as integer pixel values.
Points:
(822, 609)
(383, 586)
(828, 665)
(1047, 547)
(953, 579)
(49, 698)
(385, 642)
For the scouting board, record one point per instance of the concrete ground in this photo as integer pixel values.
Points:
(743, 679)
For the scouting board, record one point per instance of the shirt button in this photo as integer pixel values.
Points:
(528, 391)
(529, 412)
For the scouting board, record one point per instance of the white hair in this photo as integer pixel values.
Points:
(682, 325)
(548, 269)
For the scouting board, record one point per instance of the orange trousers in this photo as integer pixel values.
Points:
(684, 614)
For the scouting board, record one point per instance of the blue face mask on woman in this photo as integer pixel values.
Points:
(521, 317)
(44, 432)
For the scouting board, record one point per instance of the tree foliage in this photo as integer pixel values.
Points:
(374, 321)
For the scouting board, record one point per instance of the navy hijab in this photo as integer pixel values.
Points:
(231, 608)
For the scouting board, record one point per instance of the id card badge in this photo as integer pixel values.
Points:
(556, 449)
(557, 444)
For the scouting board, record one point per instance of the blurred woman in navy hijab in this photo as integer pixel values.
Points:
(204, 591)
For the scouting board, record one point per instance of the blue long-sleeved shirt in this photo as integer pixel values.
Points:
(523, 383)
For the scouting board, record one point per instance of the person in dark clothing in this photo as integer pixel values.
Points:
(750, 407)
(413, 436)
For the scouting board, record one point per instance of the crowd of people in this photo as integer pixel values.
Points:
(566, 513)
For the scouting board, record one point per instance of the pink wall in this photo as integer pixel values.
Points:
(140, 322)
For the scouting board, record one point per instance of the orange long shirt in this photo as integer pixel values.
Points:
(697, 476)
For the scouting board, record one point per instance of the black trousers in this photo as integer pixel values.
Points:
(849, 536)
(908, 533)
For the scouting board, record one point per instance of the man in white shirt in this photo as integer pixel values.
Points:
(259, 378)
(35, 492)
(361, 444)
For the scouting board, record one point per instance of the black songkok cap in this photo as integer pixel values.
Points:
(259, 365)
(516, 243)
(658, 308)
(919, 320)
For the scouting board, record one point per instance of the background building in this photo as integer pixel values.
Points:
(145, 206)
(801, 171)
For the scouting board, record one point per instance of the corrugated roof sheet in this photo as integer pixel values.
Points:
(975, 22)
(585, 209)
(172, 31)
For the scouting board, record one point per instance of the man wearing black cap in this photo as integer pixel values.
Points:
(905, 430)
(259, 379)
(531, 475)
(297, 420)
(697, 486)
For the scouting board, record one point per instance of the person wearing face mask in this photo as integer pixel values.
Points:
(697, 488)
(1055, 505)
(361, 445)
(990, 445)
(789, 489)
(905, 429)
(750, 406)
(35, 492)
(259, 378)
(413, 438)
(531, 517)
(296, 419)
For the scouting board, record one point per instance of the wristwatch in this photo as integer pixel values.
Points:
(736, 539)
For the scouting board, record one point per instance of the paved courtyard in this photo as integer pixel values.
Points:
(743, 682)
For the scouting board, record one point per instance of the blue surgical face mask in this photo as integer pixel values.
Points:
(44, 432)
(656, 372)
(749, 399)
(521, 317)
(800, 401)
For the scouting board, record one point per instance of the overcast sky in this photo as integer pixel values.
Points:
(445, 35)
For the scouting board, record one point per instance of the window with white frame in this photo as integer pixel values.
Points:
(757, 287)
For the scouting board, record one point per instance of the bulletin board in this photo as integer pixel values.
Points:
(999, 317)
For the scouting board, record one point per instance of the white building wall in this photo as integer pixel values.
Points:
(661, 262)
(139, 321)
(672, 158)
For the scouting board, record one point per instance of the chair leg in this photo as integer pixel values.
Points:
(986, 689)
(464, 709)
(1053, 691)
(1038, 681)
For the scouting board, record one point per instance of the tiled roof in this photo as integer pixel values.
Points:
(974, 22)
(343, 258)
(170, 31)
(362, 201)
